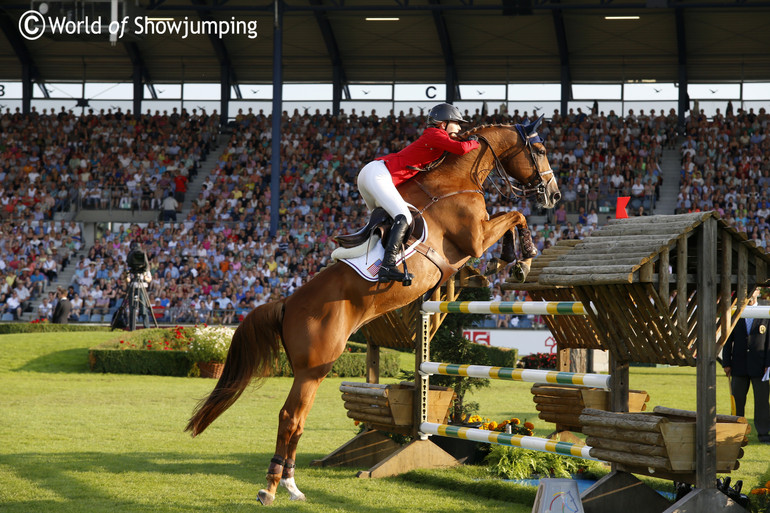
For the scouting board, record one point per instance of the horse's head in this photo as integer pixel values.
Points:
(532, 162)
(520, 153)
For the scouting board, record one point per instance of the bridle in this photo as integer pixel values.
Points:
(536, 186)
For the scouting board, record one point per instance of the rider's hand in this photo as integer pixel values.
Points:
(473, 138)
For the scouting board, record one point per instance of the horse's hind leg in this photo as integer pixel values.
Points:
(290, 427)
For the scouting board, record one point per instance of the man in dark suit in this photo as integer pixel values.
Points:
(62, 310)
(745, 358)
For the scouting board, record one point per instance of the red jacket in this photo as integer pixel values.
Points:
(431, 145)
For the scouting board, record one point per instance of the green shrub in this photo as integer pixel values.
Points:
(515, 463)
(351, 364)
(141, 361)
(163, 352)
(500, 356)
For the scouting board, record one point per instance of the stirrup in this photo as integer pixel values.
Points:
(388, 274)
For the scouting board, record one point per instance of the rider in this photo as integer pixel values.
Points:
(378, 180)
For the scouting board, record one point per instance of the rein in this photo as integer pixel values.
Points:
(499, 170)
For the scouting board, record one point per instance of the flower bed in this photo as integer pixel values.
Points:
(516, 426)
(539, 361)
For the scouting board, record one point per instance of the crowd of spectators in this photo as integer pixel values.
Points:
(32, 254)
(220, 261)
(726, 167)
(49, 160)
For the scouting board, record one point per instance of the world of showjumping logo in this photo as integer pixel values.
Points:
(34, 24)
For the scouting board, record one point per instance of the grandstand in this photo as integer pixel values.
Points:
(168, 140)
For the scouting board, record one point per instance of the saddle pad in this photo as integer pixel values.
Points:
(367, 265)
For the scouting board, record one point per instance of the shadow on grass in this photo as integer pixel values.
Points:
(66, 360)
(85, 481)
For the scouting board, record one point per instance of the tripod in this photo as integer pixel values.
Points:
(136, 302)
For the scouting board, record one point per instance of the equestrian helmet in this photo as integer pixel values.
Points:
(445, 112)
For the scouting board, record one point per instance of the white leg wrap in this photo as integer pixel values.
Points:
(291, 486)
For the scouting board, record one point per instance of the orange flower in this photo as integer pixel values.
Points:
(355, 423)
(515, 421)
(529, 425)
(759, 491)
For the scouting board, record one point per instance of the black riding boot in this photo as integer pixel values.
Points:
(388, 270)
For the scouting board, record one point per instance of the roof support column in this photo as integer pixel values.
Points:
(566, 75)
(681, 43)
(339, 80)
(337, 85)
(275, 161)
(452, 91)
(139, 73)
(224, 97)
(138, 89)
(451, 84)
(29, 71)
(26, 88)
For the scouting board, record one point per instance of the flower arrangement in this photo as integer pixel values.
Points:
(516, 426)
(539, 361)
(210, 343)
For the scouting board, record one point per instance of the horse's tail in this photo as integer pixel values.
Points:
(254, 348)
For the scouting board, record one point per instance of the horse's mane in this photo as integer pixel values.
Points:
(475, 129)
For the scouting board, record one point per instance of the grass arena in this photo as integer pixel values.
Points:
(73, 441)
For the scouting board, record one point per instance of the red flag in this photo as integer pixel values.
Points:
(620, 210)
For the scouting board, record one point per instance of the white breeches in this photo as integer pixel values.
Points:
(377, 189)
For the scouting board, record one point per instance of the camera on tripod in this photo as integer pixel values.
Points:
(136, 303)
(137, 260)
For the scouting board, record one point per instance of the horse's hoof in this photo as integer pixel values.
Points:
(294, 492)
(265, 498)
(520, 271)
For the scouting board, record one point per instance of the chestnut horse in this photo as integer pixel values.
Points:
(314, 323)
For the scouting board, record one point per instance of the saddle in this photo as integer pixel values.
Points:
(379, 223)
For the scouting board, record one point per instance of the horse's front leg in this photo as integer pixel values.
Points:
(502, 225)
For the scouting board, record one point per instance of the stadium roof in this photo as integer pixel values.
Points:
(452, 41)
